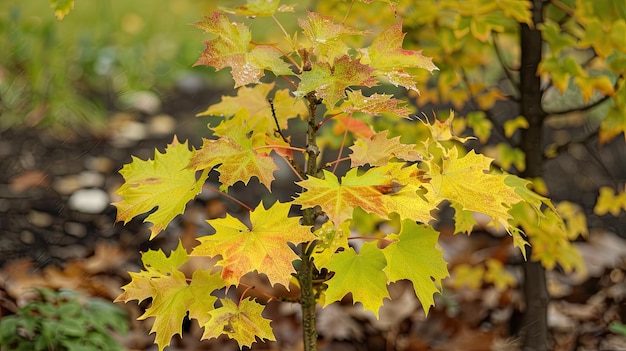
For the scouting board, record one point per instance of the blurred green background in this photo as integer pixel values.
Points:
(59, 74)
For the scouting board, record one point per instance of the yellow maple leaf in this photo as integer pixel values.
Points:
(172, 295)
(378, 149)
(467, 181)
(610, 202)
(242, 322)
(262, 247)
(164, 182)
(575, 219)
(466, 275)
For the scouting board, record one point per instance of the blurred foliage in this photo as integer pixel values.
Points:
(59, 320)
(66, 73)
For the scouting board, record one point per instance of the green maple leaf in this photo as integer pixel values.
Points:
(414, 256)
(164, 182)
(172, 296)
(330, 83)
(233, 48)
(360, 274)
(262, 247)
(242, 323)
(326, 35)
(260, 8)
(234, 157)
(389, 60)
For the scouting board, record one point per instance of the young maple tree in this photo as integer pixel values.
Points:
(304, 244)
(525, 72)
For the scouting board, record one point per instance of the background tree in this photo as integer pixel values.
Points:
(534, 80)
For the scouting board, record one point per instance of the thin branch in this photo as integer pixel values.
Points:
(347, 12)
(505, 68)
(580, 108)
(280, 132)
(488, 113)
(328, 164)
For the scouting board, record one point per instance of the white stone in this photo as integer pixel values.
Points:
(91, 201)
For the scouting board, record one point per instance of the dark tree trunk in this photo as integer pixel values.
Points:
(534, 330)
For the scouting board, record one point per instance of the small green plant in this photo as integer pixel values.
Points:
(59, 321)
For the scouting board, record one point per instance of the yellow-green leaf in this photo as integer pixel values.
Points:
(172, 295)
(164, 182)
(242, 322)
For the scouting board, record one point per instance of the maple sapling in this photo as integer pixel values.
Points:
(308, 253)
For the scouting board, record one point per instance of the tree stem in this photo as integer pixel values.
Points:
(305, 273)
(534, 330)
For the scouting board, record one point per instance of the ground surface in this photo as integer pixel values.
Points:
(57, 229)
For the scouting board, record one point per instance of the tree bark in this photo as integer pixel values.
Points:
(534, 329)
(305, 272)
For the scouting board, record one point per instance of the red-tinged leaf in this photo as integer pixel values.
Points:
(338, 200)
(262, 247)
(234, 158)
(231, 48)
(358, 128)
(375, 104)
(380, 190)
(389, 59)
(360, 274)
(414, 256)
(163, 183)
(330, 83)
(172, 296)
(326, 35)
(378, 150)
(260, 8)
(242, 322)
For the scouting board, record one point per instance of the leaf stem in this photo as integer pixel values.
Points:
(228, 196)
(343, 143)
(287, 147)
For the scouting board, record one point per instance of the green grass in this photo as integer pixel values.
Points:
(65, 73)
